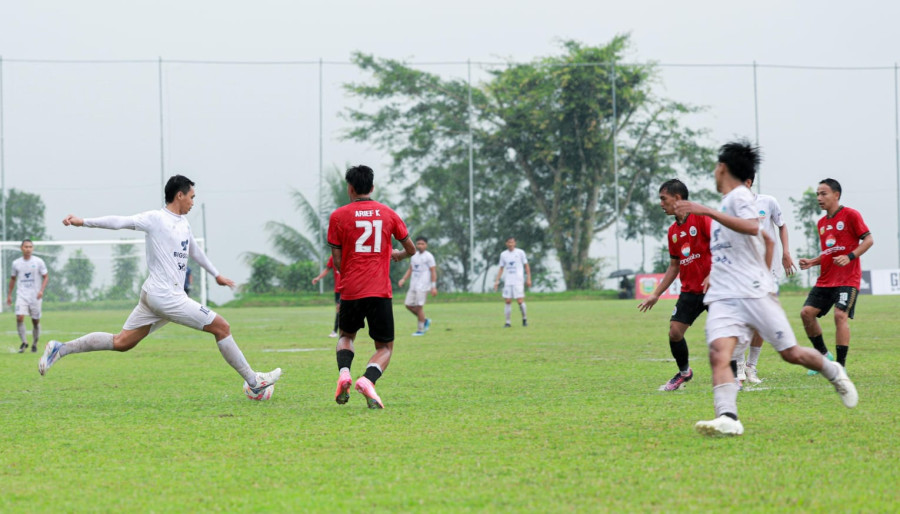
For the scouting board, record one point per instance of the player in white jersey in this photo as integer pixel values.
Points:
(518, 275)
(29, 295)
(169, 243)
(771, 221)
(423, 271)
(741, 295)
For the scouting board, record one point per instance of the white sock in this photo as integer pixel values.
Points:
(508, 311)
(421, 326)
(830, 370)
(725, 398)
(36, 334)
(524, 310)
(235, 358)
(753, 356)
(20, 326)
(95, 341)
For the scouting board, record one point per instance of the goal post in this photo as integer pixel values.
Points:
(60, 252)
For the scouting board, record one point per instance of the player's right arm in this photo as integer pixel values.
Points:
(668, 278)
(108, 222)
(405, 276)
(805, 264)
(320, 276)
(497, 280)
(12, 285)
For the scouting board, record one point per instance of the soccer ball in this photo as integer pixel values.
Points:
(265, 395)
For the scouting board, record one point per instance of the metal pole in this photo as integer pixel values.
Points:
(756, 122)
(204, 283)
(2, 187)
(897, 155)
(320, 220)
(162, 156)
(615, 153)
(471, 176)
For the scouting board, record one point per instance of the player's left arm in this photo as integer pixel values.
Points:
(200, 258)
(409, 249)
(786, 259)
(434, 281)
(40, 293)
(527, 275)
(867, 242)
(12, 285)
(770, 247)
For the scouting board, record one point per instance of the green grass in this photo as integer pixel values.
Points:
(562, 416)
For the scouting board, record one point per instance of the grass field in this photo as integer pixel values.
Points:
(562, 416)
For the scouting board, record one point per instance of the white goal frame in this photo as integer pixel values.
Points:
(17, 245)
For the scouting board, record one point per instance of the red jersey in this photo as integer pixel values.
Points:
(840, 235)
(337, 275)
(362, 230)
(689, 243)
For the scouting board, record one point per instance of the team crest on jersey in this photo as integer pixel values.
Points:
(762, 213)
(674, 238)
(686, 250)
(693, 231)
(840, 225)
(830, 241)
(822, 230)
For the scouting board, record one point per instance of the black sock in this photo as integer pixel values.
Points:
(842, 354)
(373, 373)
(819, 343)
(344, 359)
(734, 369)
(680, 352)
(729, 414)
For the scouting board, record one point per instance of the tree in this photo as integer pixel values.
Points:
(79, 274)
(543, 138)
(806, 214)
(125, 272)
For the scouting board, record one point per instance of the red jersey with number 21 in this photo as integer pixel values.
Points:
(689, 243)
(362, 231)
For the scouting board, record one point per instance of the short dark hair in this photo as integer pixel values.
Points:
(26, 240)
(674, 187)
(833, 184)
(362, 178)
(422, 238)
(177, 184)
(741, 158)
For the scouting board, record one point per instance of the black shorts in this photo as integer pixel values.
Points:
(842, 297)
(337, 297)
(379, 312)
(688, 308)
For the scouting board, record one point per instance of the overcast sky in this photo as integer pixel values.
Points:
(86, 136)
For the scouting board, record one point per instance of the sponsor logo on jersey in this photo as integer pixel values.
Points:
(762, 213)
(840, 225)
(830, 241)
(184, 245)
(686, 250)
(683, 233)
(693, 231)
(829, 227)
(28, 275)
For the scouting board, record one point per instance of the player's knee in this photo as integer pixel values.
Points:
(808, 314)
(841, 316)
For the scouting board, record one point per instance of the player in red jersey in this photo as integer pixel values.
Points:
(360, 238)
(840, 232)
(337, 291)
(690, 259)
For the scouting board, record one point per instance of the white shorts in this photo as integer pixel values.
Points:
(738, 317)
(416, 298)
(177, 308)
(513, 291)
(29, 308)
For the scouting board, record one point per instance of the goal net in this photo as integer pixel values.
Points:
(97, 274)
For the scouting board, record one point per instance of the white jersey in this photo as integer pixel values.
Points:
(738, 260)
(514, 263)
(29, 277)
(169, 243)
(771, 219)
(421, 264)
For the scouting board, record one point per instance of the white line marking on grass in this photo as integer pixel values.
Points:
(295, 349)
